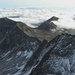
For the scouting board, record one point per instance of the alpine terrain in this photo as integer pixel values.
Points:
(46, 50)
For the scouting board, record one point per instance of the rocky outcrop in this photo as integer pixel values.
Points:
(49, 25)
(36, 58)
(39, 33)
(16, 47)
(21, 53)
(59, 58)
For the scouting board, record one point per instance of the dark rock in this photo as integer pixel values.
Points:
(5, 22)
(16, 47)
(53, 19)
(59, 60)
(48, 25)
(21, 53)
(36, 57)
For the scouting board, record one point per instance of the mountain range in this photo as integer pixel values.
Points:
(46, 50)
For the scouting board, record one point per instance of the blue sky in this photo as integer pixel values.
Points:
(37, 3)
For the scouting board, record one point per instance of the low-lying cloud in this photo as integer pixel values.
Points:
(32, 17)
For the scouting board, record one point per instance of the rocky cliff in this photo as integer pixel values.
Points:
(59, 58)
(22, 53)
(16, 47)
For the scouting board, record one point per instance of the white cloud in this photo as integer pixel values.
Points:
(32, 17)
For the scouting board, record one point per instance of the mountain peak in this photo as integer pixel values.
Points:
(48, 25)
(7, 22)
(53, 18)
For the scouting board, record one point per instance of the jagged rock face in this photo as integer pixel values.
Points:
(49, 25)
(39, 33)
(15, 47)
(35, 59)
(5, 22)
(21, 54)
(59, 58)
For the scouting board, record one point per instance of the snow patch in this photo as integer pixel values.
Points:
(27, 54)
(20, 69)
(9, 59)
(19, 53)
(6, 54)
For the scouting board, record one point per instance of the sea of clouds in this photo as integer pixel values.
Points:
(33, 17)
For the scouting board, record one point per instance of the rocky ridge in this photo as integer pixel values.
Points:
(22, 53)
(59, 58)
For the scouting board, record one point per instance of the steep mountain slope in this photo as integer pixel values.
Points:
(40, 33)
(16, 47)
(49, 25)
(59, 58)
(21, 53)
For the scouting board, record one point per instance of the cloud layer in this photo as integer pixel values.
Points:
(32, 17)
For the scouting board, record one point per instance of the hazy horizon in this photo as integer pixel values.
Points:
(68, 4)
